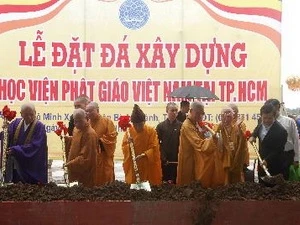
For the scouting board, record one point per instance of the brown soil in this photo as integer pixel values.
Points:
(208, 198)
(121, 191)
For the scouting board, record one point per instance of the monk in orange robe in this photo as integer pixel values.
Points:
(82, 162)
(146, 149)
(242, 126)
(80, 103)
(232, 147)
(107, 137)
(195, 157)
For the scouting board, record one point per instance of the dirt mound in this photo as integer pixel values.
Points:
(121, 191)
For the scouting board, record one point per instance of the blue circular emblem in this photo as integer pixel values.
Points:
(134, 14)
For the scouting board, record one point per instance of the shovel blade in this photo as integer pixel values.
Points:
(273, 180)
(142, 185)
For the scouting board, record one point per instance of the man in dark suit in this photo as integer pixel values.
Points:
(272, 138)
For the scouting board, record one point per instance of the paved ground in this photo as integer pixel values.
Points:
(56, 173)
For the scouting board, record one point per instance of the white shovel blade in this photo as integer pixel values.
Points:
(142, 185)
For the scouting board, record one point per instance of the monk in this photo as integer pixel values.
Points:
(236, 119)
(232, 147)
(27, 160)
(107, 138)
(146, 149)
(195, 157)
(82, 159)
(79, 103)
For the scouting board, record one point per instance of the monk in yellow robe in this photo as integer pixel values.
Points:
(232, 147)
(196, 152)
(107, 137)
(146, 149)
(242, 126)
(82, 162)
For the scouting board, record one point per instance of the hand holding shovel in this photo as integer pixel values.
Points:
(140, 156)
(268, 179)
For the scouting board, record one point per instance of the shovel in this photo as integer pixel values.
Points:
(268, 179)
(171, 162)
(139, 185)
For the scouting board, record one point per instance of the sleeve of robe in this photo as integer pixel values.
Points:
(234, 162)
(255, 132)
(30, 149)
(193, 151)
(295, 137)
(68, 142)
(153, 155)
(152, 152)
(247, 156)
(109, 139)
(71, 126)
(159, 131)
(85, 158)
(205, 146)
(241, 151)
(205, 163)
(127, 160)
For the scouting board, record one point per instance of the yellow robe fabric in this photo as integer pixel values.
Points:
(231, 161)
(244, 129)
(195, 157)
(107, 134)
(149, 166)
(82, 161)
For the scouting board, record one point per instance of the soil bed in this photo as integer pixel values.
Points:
(121, 191)
(207, 200)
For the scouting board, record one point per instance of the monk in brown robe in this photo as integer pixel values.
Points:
(80, 103)
(146, 149)
(195, 157)
(107, 138)
(82, 162)
(232, 147)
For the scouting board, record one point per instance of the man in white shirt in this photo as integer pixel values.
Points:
(291, 149)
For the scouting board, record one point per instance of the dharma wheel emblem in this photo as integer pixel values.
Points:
(134, 14)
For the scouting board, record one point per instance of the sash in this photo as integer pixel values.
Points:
(29, 135)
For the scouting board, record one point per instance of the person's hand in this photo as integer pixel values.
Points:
(240, 121)
(215, 137)
(140, 156)
(66, 138)
(164, 161)
(5, 125)
(9, 151)
(130, 140)
(252, 140)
